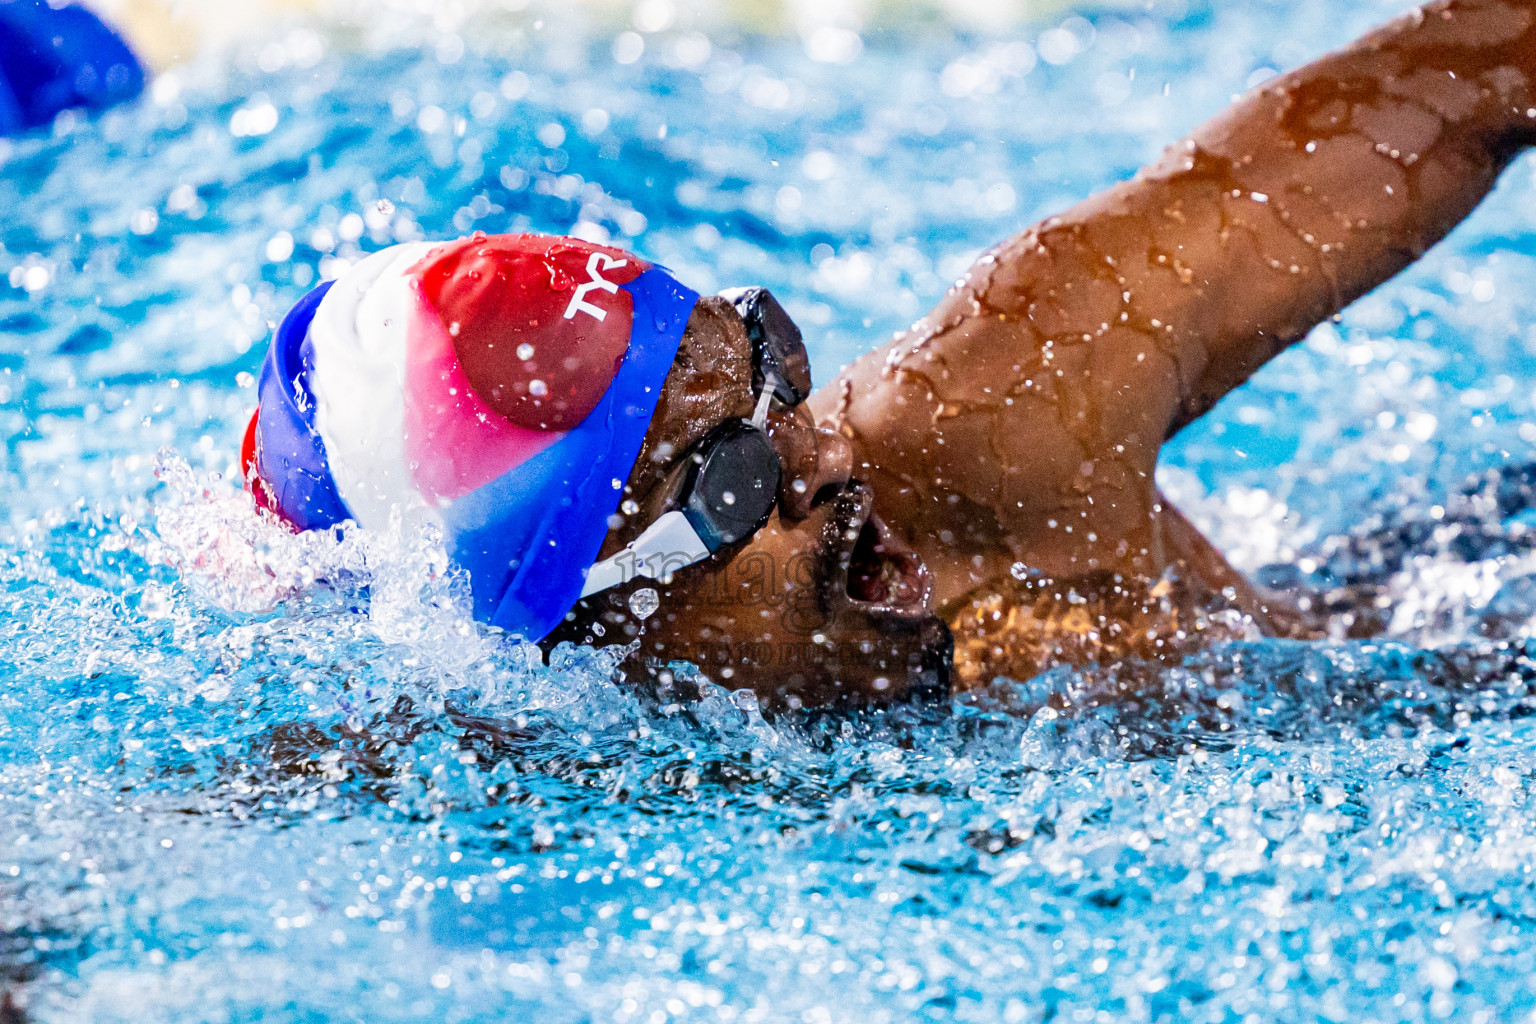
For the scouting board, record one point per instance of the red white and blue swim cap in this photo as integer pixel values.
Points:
(500, 386)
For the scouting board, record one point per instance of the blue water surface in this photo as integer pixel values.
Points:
(229, 792)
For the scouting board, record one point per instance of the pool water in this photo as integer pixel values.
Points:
(247, 776)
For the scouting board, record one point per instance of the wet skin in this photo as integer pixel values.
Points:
(813, 609)
(992, 467)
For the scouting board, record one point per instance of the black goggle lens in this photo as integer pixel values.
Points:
(734, 484)
(732, 478)
(778, 349)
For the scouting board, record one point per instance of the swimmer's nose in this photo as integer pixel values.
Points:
(818, 464)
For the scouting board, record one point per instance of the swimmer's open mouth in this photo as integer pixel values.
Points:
(880, 574)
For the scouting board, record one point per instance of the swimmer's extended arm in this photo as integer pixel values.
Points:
(1325, 182)
(1037, 394)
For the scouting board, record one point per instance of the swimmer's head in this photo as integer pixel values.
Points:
(559, 408)
(823, 605)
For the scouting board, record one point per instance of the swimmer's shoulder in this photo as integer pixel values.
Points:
(1017, 628)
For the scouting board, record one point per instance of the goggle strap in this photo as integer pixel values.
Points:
(667, 545)
(764, 400)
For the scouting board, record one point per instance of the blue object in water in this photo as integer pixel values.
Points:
(54, 58)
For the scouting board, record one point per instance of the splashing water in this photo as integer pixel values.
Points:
(251, 775)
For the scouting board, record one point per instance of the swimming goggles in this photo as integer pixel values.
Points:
(725, 488)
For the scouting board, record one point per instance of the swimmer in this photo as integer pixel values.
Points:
(613, 459)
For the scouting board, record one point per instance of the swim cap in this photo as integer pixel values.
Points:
(53, 57)
(499, 386)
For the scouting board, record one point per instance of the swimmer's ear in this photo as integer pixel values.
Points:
(715, 336)
(710, 383)
(711, 379)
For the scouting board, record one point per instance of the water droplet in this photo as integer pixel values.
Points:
(644, 602)
(155, 603)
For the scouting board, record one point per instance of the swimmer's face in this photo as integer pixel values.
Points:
(823, 605)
